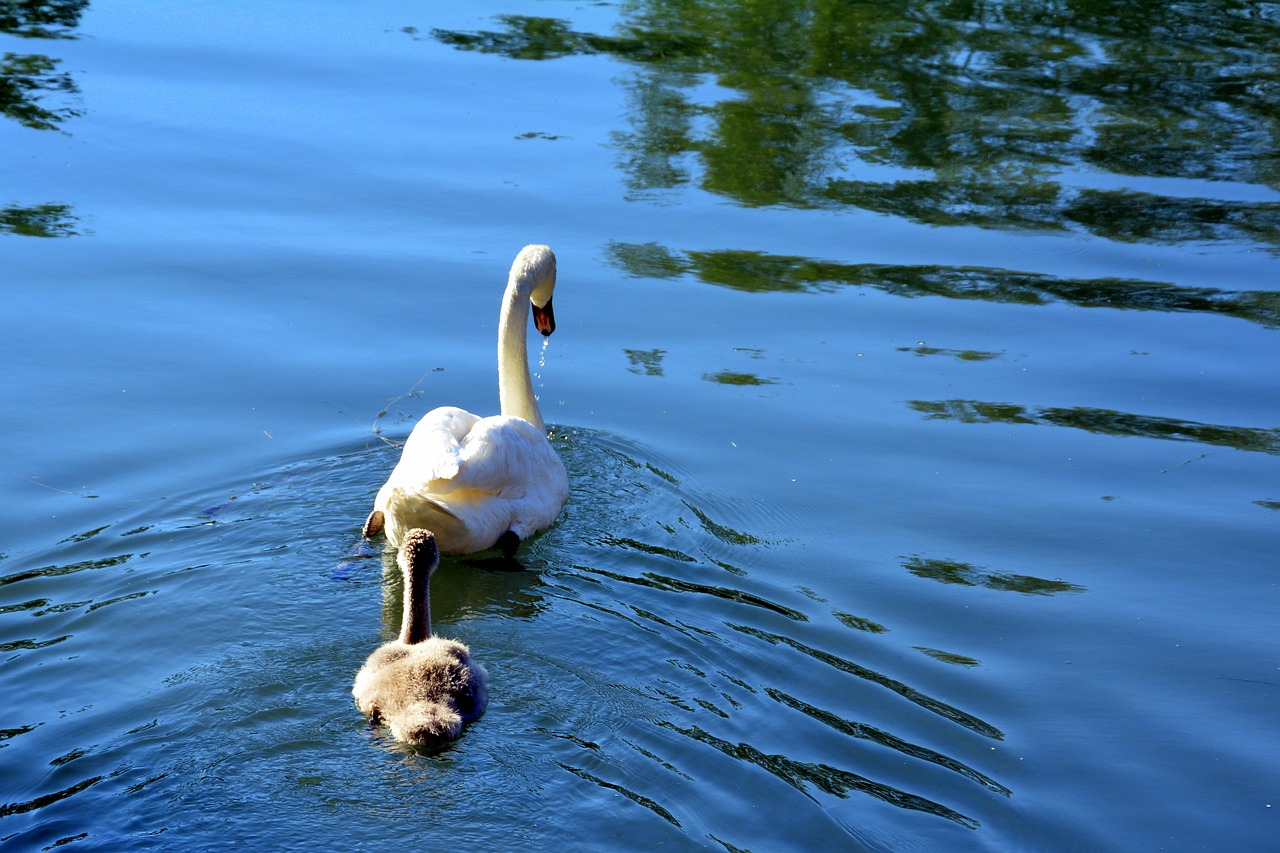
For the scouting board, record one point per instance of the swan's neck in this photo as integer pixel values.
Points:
(515, 387)
(415, 626)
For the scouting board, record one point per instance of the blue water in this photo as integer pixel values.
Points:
(914, 372)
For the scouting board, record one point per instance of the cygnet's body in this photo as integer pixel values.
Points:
(484, 482)
(423, 688)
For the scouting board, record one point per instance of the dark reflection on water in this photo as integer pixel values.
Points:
(639, 799)
(529, 37)
(830, 780)
(655, 581)
(737, 377)
(1102, 422)
(961, 354)
(982, 107)
(69, 568)
(7, 809)
(967, 574)
(929, 703)
(36, 94)
(1146, 217)
(49, 19)
(757, 272)
(645, 362)
(865, 732)
(25, 80)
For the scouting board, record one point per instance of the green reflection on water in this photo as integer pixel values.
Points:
(966, 574)
(961, 354)
(733, 377)
(645, 362)
(1102, 422)
(41, 18)
(548, 38)
(979, 110)
(27, 81)
(757, 272)
(24, 80)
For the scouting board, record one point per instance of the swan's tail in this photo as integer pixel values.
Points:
(404, 512)
(426, 724)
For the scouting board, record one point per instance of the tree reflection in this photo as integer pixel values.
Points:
(24, 79)
(32, 19)
(967, 574)
(645, 362)
(1103, 422)
(763, 273)
(41, 220)
(948, 112)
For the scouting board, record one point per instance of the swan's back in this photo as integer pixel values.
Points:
(470, 479)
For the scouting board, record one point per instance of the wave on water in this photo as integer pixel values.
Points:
(191, 658)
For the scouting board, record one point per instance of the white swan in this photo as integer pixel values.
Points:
(423, 687)
(484, 482)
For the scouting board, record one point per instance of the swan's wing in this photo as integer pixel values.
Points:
(503, 456)
(434, 450)
(470, 479)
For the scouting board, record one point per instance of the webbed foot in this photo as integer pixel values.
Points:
(507, 543)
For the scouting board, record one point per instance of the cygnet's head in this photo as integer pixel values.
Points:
(419, 550)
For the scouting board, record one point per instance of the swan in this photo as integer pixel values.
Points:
(423, 687)
(481, 483)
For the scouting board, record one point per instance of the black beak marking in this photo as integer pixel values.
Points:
(544, 318)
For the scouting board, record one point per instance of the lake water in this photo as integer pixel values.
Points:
(915, 372)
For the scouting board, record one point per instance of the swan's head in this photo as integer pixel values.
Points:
(419, 550)
(535, 270)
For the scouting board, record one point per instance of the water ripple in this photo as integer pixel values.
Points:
(648, 803)
(824, 777)
(865, 732)
(666, 584)
(938, 707)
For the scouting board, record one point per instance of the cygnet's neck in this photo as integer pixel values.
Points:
(415, 625)
(515, 386)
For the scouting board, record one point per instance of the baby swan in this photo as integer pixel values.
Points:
(423, 687)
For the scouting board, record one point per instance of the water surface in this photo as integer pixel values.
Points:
(914, 372)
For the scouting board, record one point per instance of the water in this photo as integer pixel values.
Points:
(914, 372)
